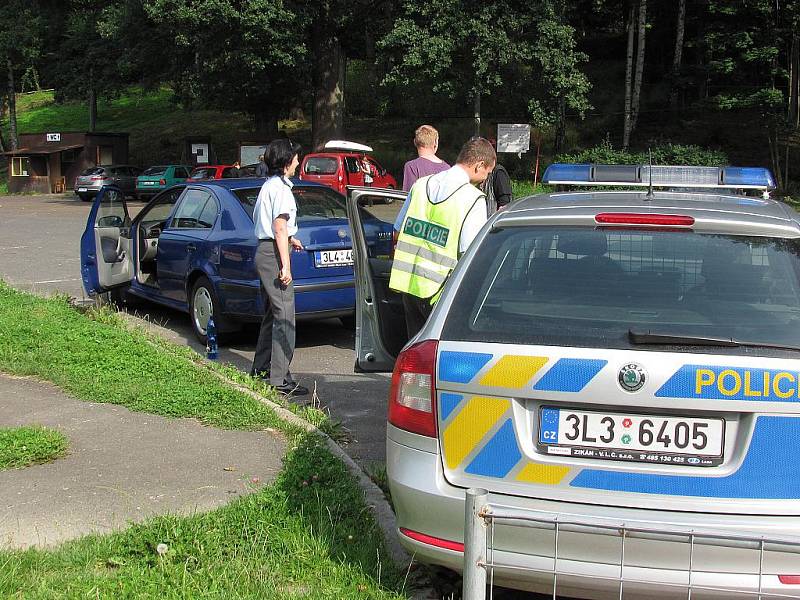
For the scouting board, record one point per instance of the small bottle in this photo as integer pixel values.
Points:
(211, 340)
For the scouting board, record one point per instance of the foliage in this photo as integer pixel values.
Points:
(666, 154)
(25, 446)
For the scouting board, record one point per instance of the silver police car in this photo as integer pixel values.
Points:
(612, 356)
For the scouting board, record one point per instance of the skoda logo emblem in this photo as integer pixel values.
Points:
(632, 377)
(342, 233)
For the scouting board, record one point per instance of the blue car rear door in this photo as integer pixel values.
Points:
(106, 260)
(182, 244)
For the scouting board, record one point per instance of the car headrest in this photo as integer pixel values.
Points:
(582, 243)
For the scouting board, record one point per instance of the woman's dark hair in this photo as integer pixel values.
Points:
(279, 155)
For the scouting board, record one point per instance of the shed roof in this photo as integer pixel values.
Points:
(49, 148)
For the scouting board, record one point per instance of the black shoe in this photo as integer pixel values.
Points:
(292, 389)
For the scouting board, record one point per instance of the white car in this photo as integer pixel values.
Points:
(605, 356)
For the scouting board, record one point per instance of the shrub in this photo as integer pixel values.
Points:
(666, 154)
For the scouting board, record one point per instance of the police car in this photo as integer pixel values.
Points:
(611, 355)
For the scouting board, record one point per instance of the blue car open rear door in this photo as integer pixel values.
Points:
(106, 260)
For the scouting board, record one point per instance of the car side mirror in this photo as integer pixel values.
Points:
(110, 221)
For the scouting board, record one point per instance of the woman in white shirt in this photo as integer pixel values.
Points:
(275, 217)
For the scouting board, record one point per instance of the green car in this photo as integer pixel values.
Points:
(160, 177)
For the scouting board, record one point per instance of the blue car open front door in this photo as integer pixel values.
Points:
(106, 260)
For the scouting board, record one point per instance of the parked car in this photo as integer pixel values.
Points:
(212, 172)
(89, 182)
(192, 248)
(160, 177)
(342, 164)
(619, 370)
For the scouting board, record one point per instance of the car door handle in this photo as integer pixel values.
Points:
(191, 247)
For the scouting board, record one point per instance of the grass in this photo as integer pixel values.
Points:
(25, 446)
(307, 535)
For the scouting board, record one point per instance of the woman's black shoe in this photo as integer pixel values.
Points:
(292, 389)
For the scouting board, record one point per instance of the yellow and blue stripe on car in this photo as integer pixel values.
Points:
(478, 436)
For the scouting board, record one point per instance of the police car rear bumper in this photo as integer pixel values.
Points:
(588, 564)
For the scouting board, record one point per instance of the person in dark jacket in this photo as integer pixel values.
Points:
(261, 168)
(497, 188)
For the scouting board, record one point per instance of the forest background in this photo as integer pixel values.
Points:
(697, 81)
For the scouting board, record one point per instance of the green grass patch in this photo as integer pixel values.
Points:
(525, 187)
(100, 360)
(309, 534)
(25, 446)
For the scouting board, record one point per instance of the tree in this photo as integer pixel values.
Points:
(20, 47)
(460, 48)
(240, 56)
(677, 54)
(560, 84)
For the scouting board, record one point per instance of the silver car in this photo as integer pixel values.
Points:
(91, 180)
(628, 357)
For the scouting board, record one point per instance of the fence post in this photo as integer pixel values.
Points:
(474, 545)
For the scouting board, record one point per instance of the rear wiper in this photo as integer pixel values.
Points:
(648, 337)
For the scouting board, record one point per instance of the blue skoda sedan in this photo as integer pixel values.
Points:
(192, 248)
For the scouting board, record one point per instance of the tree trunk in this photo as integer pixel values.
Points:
(370, 66)
(327, 119)
(794, 83)
(677, 57)
(266, 123)
(561, 127)
(637, 77)
(92, 107)
(476, 115)
(12, 108)
(2, 143)
(626, 131)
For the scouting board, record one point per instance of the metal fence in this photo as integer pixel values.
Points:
(480, 562)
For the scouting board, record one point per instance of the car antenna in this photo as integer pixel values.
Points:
(650, 171)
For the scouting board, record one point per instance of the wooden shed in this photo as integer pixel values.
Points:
(50, 162)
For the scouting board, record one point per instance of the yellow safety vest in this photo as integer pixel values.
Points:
(427, 247)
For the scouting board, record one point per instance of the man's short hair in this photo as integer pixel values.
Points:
(475, 150)
(425, 136)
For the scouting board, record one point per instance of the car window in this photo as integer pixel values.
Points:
(321, 165)
(199, 174)
(181, 172)
(351, 164)
(197, 210)
(228, 172)
(159, 209)
(92, 171)
(155, 171)
(313, 203)
(579, 287)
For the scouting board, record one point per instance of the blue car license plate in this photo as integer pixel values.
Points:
(664, 439)
(333, 258)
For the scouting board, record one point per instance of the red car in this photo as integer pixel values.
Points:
(345, 163)
(212, 172)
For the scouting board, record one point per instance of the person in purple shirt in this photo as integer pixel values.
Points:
(426, 139)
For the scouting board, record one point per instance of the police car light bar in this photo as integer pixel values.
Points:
(753, 178)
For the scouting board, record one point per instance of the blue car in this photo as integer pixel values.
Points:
(192, 248)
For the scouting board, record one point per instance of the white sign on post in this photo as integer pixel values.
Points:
(513, 137)
(201, 153)
(53, 137)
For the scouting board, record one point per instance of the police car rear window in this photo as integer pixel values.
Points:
(591, 287)
(313, 203)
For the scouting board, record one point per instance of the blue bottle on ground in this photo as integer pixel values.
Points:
(211, 340)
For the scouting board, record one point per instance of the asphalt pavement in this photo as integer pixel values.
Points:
(39, 251)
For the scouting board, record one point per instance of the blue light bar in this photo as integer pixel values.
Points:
(567, 174)
(757, 177)
(662, 176)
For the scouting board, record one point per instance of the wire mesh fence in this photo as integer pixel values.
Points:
(484, 561)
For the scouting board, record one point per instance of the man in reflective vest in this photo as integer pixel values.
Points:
(443, 214)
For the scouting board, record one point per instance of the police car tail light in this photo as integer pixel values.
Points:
(652, 219)
(411, 400)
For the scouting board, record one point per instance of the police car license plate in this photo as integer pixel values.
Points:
(631, 437)
(333, 258)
